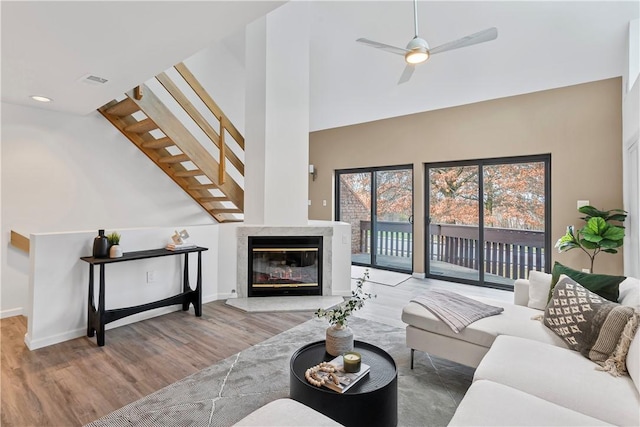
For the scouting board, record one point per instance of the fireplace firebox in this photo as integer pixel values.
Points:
(285, 266)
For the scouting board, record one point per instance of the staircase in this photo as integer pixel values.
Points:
(208, 168)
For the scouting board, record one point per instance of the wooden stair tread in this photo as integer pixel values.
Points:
(213, 199)
(202, 187)
(142, 126)
(159, 143)
(194, 172)
(124, 114)
(179, 158)
(123, 108)
(225, 211)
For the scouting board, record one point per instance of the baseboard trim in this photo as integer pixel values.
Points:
(53, 339)
(11, 313)
(418, 275)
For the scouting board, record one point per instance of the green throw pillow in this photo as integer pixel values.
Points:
(601, 284)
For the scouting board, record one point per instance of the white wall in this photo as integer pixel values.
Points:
(58, 280)
(223, 78)
(63, 172)
(277, 149)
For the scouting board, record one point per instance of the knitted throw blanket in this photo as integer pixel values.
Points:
(456, 310)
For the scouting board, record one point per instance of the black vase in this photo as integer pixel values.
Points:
(100, 245)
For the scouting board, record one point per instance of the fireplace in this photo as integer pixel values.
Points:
(284, 265)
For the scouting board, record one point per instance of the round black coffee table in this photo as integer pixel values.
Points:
(372, 401)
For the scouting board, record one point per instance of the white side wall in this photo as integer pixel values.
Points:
(63, 172)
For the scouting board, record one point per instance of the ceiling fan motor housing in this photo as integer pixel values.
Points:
(418, 51)
(417, 42)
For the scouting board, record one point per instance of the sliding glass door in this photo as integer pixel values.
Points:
(378, 203)
(488, 220)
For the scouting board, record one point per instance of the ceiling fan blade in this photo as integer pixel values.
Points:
(406, 74)
(475, 38)
(382, 46)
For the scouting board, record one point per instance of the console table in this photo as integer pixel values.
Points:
(98, 317)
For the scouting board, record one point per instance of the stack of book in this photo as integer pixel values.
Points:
(347, 380)
(177, 247)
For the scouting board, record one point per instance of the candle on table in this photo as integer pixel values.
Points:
(351, 361)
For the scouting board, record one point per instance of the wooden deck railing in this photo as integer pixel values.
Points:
(508, 253)
(394, 238)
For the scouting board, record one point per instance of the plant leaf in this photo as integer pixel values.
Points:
(588, 245)
(594, 229)
(610, 244)
(590, 211)
(614, 233)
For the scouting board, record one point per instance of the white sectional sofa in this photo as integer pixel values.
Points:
(526, 375)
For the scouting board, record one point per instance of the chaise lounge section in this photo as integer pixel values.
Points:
(526, 374)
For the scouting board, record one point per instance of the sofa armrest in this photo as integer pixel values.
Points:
(521, 292)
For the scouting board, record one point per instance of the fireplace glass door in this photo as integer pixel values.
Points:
(285, 266)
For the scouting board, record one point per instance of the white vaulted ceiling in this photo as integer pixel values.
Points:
(48, 46)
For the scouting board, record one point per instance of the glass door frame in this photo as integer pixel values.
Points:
(480, 163)
(374, 209)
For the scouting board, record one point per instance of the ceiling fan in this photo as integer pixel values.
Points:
(418, 51)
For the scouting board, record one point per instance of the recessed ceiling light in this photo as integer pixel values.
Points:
(40, 98)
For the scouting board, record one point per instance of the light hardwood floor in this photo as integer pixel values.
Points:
(75, 382)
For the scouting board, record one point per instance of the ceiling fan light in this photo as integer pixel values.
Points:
(416, 56)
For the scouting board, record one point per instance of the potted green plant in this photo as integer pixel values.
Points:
(602, 232)
(339, 336)
(115, 251)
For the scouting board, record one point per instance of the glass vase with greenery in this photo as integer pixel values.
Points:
(602, 232)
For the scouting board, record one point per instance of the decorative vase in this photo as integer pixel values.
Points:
(115, 251)
(339, 340)
(100, 245)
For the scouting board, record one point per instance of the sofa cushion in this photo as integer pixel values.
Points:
(514, 320)
(602, 284)
(561, 376)
(589, 323)
(633, 360)
(286, 412)
(630, 293)
(487, 403)
(539, 286)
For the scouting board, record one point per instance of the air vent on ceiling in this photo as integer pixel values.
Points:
(93, 80)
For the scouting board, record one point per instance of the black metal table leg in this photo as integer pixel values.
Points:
(185, 282)
(100, 313)
(90, 305)
(198, 304)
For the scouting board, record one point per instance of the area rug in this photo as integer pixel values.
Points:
(226, 392)
(381, 277)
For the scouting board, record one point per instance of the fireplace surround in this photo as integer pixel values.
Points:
(284, 265)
